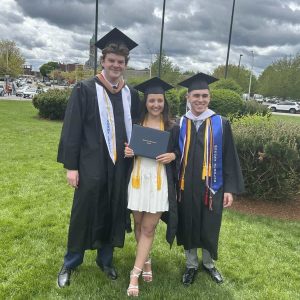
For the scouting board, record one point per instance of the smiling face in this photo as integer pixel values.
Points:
(114, 66)
(155, 104)
(199, 100)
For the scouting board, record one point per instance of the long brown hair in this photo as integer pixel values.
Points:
(165, 112)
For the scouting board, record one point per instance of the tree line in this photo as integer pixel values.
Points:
(280, 79)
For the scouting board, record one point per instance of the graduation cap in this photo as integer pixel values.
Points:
(118, 37)
(199, 81)
(154, 86)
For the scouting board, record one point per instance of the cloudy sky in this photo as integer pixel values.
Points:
(195, 37)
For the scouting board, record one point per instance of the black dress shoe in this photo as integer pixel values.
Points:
(64, 275)
(189, 276)
(109, 271)
(214, 274)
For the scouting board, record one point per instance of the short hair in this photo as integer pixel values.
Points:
(119, 49)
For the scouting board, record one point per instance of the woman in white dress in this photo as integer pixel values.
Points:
(151, 186)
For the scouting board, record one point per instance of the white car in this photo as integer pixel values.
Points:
(30, 93)
(285, 106)
(20, 92)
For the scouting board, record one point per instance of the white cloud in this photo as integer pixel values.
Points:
(195, 36)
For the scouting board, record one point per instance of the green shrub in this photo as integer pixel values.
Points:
(227, 84)
(173, 101)
(252, 107)
(52, 104)
(182, 101)
(225, 102)
(269, 152)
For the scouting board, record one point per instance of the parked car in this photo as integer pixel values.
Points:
(30, 93)
(259, 98)
(286, 106)
(20, 92)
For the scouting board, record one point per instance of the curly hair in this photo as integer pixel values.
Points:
(119, 49)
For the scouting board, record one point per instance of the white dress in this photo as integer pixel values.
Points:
(147, 198)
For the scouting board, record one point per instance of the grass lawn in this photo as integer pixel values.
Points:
(259, 257)
(292, 118)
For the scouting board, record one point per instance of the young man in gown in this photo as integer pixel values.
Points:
(210, 174)
(97, 123)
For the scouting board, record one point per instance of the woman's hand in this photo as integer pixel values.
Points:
(166, 158)
(128, 151)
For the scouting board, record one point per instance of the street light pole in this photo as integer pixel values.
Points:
(249, 91)
(229, 40)
(96, 38)
(239, 65)
(161, 38)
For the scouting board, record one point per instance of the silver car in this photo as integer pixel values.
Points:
(285, 106)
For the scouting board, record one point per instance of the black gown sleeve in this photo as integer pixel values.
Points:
(173, 146)
(135, 106)
(232, 173)
(71, 135)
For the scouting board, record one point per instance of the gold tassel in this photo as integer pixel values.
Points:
(136, 179)
(186, 151)
(159, 180)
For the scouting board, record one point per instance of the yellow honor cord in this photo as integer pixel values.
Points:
(136, 179)
(186, 151)
(207, 158)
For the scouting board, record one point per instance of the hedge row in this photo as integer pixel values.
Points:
(269, 152)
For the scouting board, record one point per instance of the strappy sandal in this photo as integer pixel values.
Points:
(147, 276)
(133, 290)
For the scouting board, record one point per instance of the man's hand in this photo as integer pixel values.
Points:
(166, 158)
(228, 199)
(73, 178)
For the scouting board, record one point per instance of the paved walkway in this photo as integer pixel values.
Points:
(14, 97)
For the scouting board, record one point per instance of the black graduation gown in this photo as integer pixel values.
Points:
(198, 227)
(99, 206)
(170, 217)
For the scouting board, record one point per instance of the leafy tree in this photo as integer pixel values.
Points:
(11, 59)
(240, 75)
(228, 84)
(46, 69)
(169, 71)
(281, 78)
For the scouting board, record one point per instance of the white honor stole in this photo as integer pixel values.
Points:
(108, 121)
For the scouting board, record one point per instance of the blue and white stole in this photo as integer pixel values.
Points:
(107, 118)
(212, 171)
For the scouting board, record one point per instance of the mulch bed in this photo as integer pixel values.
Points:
(285, 210)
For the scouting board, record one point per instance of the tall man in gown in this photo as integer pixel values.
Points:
(98, 121)
(210, 174)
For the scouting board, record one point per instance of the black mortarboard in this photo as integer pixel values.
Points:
(199, 81)
(154, 86)
(118, 37)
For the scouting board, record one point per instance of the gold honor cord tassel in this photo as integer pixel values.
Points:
(159, 166)
(136, 179)
(207, 159)
(186, 151)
